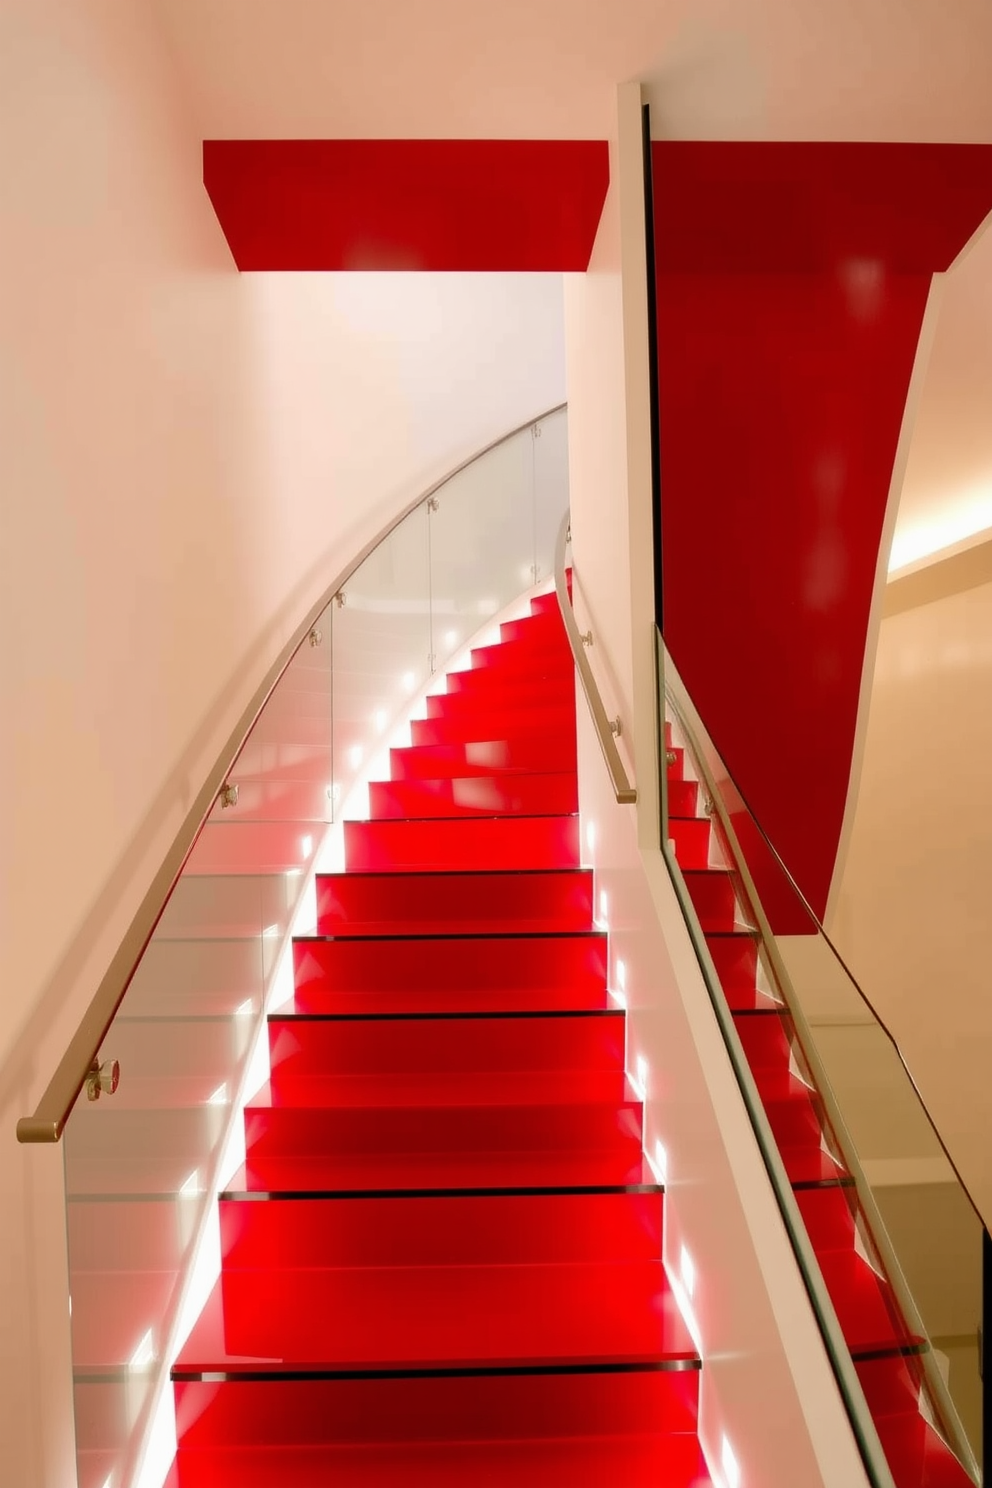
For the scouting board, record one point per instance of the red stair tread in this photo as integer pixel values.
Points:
(570, 1462)
(487, 795)
(439, 1317)
(462, 842)
(404, 1172)
(398, 1001)
(465, 902)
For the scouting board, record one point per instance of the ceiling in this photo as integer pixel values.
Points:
(712, 69)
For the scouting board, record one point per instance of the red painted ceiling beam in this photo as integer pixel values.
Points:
(455, 205)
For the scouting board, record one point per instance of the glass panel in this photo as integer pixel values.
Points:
(550, 488)
(897, 1239)
(381, 651)
(482, 542)
(140, 1166)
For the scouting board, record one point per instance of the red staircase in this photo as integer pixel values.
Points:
(885, 1352)
(441, 1262)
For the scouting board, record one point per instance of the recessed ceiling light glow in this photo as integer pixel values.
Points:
(355, 756)
(621, 976)
(451, 638)
(591, 837)
(379, 720)
(306, 846)
(408, 681)
(641, 1075)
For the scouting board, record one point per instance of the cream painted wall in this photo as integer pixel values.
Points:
(186, 458)
(947, 491)
(912, 915)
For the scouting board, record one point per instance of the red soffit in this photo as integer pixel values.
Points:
(448, 205)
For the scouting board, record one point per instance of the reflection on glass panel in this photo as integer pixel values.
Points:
(381, 646)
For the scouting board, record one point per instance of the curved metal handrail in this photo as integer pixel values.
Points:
(74, 1068)
(815, 920)
(623, 789)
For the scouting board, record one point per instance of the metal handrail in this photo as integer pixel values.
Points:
(623, 789)
(879, 1233)
(77, 1063)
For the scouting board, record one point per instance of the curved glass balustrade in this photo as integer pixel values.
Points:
(142, 1166)
(895, 1237)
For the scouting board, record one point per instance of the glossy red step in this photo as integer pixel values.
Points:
(481, 1317)
(313, 1048)
(492, 713)
(683, 798)
(524, 795)
(483, 1408)
(691, 836)
(735, 957)
(473, 973)
(436, 1172)
(302, 1232)
(446, 903)
(521, 725)
(462, 842)
(766, 1040)
(539, 1113)
(712, 893)
(493, 687)
(532, 655)
(636, 1461)
(540, 628)
(547, 604)
(534, 754)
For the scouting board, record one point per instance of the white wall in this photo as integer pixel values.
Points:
(187, 458)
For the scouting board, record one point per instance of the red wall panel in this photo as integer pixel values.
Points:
(408, 204)
(791, 286)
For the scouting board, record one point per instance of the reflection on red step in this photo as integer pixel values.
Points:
(304, 1048)
(580, 1462)
(275, 1321)
(304, 1232)
(471, 973)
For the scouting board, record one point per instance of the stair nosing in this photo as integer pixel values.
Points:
(180, 1375)
(507, 1191)
(470, 1015)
